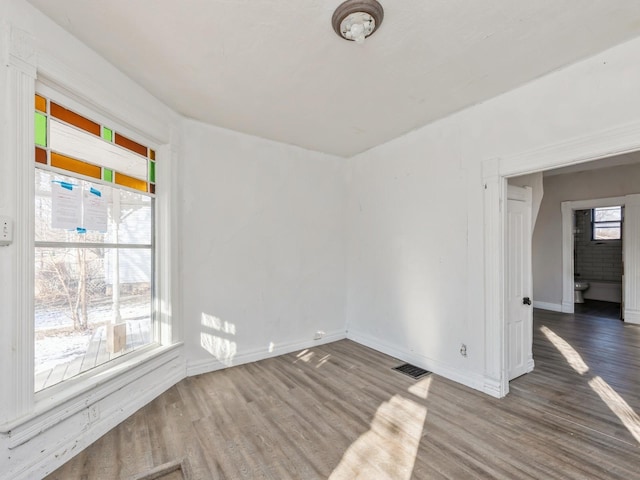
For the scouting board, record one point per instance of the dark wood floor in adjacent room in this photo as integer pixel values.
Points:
(338, 411)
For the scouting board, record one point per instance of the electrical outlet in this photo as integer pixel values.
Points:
(6, 231)
(319, 334)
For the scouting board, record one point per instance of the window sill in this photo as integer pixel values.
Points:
(54, 405)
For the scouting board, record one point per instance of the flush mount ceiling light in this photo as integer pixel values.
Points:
(355, 20)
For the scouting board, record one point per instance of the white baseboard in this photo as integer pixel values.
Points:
(208, 365)
(568, 307)
(493, 387)
(531, 364)
(553, 307)
(632, 316)
(470, 379)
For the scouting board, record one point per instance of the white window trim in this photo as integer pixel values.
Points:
(594, 223)
(24, 68)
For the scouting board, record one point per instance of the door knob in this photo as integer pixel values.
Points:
(526, 301)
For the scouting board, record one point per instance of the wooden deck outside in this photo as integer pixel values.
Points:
(95, 355)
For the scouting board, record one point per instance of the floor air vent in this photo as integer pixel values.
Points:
(412, 370)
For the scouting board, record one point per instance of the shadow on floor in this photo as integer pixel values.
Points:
(597, 308)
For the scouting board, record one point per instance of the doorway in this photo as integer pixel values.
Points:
(495, 174)
(568, 244)
(569, 210)
(556, 188)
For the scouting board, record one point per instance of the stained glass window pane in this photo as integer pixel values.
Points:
(152, 172)
(131, 145)
(130, 182)
(41, 103)
(74, 119)
(40, 129)
(73, 165)
(41, 156)
(107, 134)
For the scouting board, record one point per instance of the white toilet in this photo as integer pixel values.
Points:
(580, 287)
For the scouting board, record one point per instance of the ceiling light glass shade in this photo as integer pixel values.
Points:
(355, 20)
(357, 26)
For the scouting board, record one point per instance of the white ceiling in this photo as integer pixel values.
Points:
(276, 69)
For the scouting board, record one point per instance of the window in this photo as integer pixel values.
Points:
(94, 244)
(606, 223)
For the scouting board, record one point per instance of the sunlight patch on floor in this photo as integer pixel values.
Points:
(421, 388)
(572, 357)
(389, 448)
(305, 356)
(607, 394)
(617, 405)
(323, 360)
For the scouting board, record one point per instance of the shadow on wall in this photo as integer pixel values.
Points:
(216, 337)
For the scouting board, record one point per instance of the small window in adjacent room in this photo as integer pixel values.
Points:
(606, 223)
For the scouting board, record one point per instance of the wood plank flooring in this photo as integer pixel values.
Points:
(598, 308)
(338, 411)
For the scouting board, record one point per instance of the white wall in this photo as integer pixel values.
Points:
(547, 236)
(263, 229)
(416, 252)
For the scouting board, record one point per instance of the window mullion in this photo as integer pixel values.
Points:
(42, 244)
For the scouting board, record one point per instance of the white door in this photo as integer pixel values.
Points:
(519, 311)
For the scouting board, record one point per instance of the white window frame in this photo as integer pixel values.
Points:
(25, 410)
(594, 226)
(58, 97)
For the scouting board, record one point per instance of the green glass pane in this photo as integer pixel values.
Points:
(107, 134)
(152, 172)
(107, 175)
(41, 129)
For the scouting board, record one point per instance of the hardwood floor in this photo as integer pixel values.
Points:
(338, 411)
(598, 308)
